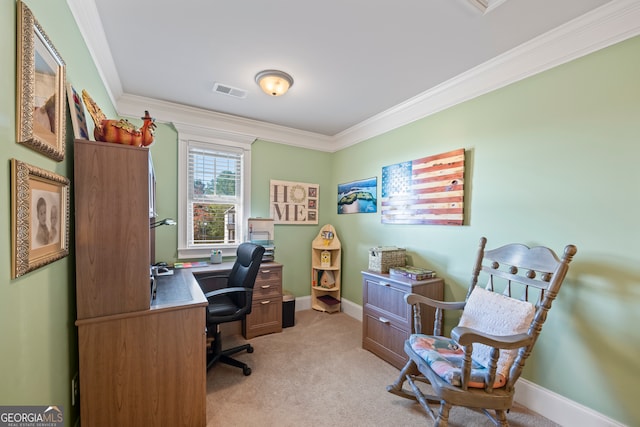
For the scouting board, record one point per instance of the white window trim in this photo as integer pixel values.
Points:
(203, 137)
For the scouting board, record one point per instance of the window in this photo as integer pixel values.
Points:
(213, 193)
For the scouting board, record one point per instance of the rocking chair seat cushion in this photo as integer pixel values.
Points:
(445, 357)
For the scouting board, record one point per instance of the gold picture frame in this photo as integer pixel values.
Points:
(41, 89)
(39, 217)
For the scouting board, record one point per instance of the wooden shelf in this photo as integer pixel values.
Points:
(326, 247)
(320, 288)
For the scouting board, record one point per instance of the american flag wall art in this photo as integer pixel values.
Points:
(429, 190)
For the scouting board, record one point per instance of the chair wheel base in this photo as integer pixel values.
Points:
(225, 357)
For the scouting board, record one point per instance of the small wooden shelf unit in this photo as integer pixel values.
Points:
(326, 254)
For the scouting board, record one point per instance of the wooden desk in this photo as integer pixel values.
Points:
(266, 311)
(147, 368)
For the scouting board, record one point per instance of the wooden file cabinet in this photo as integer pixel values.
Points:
(266, 311)
(387, 320)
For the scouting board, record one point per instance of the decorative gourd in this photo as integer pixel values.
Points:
(119, 131)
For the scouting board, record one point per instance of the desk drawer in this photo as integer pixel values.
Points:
(267, 289)
(268, 272)
(265, 317)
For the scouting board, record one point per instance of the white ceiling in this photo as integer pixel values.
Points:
(352, 60)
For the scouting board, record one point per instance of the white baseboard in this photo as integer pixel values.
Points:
(303, 303)
(558, 408)
(350, 308)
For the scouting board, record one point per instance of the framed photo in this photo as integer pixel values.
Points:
(42, 114)
(358, 196)
(39, 217)
(76, 107)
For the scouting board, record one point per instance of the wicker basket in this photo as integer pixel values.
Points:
(382, 258)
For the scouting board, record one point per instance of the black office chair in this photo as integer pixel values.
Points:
(233, 303)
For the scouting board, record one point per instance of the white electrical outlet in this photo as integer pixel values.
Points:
(75, 390)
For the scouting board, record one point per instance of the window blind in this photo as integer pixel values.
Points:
(214, 194)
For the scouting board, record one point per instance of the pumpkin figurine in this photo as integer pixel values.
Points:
(119, 131)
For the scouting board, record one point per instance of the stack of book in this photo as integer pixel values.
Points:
(411, 272)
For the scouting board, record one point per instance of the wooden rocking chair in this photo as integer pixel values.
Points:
(479, 364)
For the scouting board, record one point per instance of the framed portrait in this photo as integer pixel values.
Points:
(39, 217)
(41, 104)
(76, 108)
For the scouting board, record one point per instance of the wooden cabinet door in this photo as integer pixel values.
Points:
(112, 228)
(144, 370)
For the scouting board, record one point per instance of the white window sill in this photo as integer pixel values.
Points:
(193, 253)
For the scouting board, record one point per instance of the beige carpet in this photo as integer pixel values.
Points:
(317, 374)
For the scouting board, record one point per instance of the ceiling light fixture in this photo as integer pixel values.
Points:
(274, 82)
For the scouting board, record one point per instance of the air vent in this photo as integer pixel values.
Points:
(228, 90)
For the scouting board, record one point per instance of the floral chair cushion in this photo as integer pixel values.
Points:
(445, 357)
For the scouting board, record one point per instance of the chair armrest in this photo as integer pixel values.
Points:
(414, 299)
(224, 291)
(465, 336)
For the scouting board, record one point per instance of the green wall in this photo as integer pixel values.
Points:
(293, 242)
(550, 160)
(38, 340)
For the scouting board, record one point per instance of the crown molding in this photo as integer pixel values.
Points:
(189, 132)
(183, 116)
(89, 23)
(609, 24)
